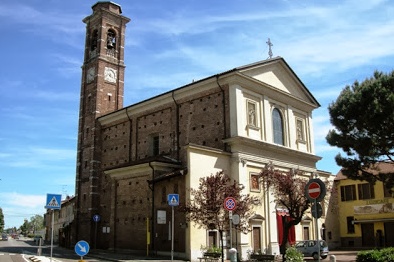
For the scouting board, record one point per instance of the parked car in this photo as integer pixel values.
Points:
(310, 248)
(4, 237)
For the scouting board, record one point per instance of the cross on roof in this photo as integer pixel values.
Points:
(269, 46)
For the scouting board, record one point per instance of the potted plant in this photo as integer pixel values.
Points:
(213, 251)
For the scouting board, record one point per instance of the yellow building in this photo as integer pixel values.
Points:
(366, 213)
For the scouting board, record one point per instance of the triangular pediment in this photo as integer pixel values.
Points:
(277, 73)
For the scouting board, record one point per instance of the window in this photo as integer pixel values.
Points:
(366, 191)
(277, 124)
(93, 40)
(386, 191)
(111, 39)
(348, 193)
(350, 224)
(213, 238)
(252, 114)
(154, 145)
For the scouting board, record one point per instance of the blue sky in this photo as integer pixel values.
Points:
(329, 44)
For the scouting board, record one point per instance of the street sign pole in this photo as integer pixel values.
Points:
(173, 200)
(54, 201)
(230, 213)
(230, 205)
(315, 191)
(172, 234)
(53, 222)
(317, 231)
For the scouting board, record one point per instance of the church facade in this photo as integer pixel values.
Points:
(131, 157)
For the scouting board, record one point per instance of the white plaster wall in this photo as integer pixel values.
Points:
(202, 162)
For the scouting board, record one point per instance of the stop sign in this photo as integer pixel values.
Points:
(314, 190)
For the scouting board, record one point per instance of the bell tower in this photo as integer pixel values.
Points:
(102, 91)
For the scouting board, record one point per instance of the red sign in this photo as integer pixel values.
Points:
(314, 190)
(229, 203)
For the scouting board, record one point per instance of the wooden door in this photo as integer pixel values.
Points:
(256, 239)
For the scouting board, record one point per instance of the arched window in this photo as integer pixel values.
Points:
(111, 39)
(93, 40)
(277, 126)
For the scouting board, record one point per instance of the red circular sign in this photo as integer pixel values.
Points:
(229, 203)
(314, 190)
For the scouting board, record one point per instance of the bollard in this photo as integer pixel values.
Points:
(333, 258)
(233, 255)
(39, 248)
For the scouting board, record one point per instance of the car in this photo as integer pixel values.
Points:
(4, 237)
(309, 248)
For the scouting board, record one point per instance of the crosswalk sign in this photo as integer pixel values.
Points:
(53, 201)
(173, 199)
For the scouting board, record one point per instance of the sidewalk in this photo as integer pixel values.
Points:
(124, 256)
(108, 255)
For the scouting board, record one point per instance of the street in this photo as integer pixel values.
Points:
(20, 250)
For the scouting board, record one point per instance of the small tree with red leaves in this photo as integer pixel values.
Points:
(206, 206)
(288, 189)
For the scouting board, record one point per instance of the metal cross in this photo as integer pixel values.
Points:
(269, 46)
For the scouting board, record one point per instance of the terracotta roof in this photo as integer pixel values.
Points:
(382, 167)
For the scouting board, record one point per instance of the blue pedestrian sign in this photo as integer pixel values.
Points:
(53, 201)
(82, 248)
(96, 218)
(173, 199)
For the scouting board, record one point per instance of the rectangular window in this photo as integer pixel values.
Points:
(350, 224)
(213, 238)
(366, 191)
(387, 192)
(348, 193)
(155, 146)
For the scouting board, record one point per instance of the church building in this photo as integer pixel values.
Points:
(130, 158)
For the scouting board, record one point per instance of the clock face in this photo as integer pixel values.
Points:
(110, 75)
(90, 74)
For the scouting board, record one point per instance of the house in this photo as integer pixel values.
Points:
(61, 220)
(131, 158)
(365, 212)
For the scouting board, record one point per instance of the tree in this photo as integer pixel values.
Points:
(288, 189)
(1, 220)
(36, 223)
(25, 227)
(363, 117)
(206, 206)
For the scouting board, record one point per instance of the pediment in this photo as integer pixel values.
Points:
(277, 73)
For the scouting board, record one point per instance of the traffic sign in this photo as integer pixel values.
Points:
(53, 201)
(96, 218)
(315, 190)
(229, 203)
(82, 248)
(317, 210)
(235, 219)
(173, 199)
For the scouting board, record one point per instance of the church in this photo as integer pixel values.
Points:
(130, 158)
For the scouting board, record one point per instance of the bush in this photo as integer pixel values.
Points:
(292, 254)
(382, 255)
